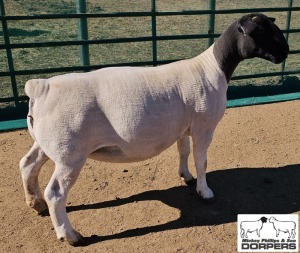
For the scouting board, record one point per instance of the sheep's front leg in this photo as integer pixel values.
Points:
(258, 232)
(293, 233)
(246, 234)
(30, 166)
(201, 142)
(183, 145)
(56, 192)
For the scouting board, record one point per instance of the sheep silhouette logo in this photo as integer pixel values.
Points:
(251, 226)
(284, 226)
(268, 233)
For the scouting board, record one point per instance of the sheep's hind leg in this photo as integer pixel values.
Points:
(242, 232)
(30, 166)
(63, 178)
(183, 145)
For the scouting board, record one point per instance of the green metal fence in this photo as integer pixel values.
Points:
(18, 109)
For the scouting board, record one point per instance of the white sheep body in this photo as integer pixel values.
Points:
(139, 110)
(249, 227)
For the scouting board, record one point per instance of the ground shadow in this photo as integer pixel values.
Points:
(238, 191)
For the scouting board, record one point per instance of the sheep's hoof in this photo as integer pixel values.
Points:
(40, 206)
(79, 241)
(191, 183)
(208, 197)
(44, 213)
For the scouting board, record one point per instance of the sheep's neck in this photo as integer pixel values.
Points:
(226, 51)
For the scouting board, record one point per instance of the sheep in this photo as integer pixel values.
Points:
(284, 226)
(129, 114)
(252, 226)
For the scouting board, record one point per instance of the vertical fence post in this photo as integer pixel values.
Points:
(9, 54)
(288, 25)
(211, 24)
(154, 39)
(83, 33)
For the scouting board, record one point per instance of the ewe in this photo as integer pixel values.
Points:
(130, 114)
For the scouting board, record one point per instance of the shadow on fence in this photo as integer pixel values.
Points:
(290, 84)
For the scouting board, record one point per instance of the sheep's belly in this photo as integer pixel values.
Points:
(114, 154)
(110, 154)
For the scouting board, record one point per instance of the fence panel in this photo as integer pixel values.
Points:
(155, 34)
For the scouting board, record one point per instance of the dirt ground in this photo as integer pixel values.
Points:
(253, 167)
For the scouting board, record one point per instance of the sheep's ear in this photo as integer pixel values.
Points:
(272, 19)
(246, 26)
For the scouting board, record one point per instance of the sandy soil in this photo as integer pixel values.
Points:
(254, 167)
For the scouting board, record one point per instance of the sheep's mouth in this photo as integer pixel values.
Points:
(280, 55)
(275, 57)
(279, 58)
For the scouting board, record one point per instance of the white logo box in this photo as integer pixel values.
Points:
(268, 233)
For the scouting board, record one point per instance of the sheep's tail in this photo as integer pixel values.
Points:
(34, 88)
